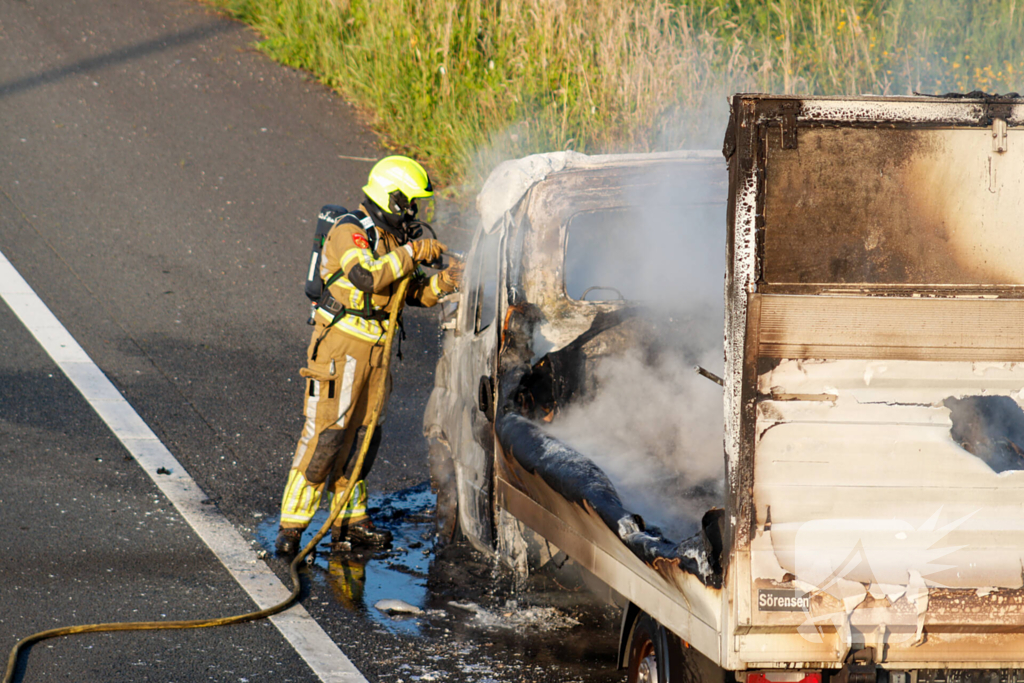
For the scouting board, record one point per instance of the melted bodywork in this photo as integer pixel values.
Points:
(536, 352)
(874, 376)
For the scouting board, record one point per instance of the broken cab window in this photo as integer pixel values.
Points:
(644, 253)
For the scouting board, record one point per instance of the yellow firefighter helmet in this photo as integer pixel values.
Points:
(395, 183)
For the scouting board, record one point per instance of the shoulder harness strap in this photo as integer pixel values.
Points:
(328, 302)
(366, 223)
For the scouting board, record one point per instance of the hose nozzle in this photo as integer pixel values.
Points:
(438, 263)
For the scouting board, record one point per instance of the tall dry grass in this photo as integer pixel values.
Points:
(462, 83)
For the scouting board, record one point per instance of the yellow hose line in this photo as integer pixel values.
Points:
(293, 569)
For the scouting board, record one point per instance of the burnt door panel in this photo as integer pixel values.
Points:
(475, 442)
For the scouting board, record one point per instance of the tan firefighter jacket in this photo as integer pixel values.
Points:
(366, 269)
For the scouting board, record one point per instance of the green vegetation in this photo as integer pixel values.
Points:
(463, 84)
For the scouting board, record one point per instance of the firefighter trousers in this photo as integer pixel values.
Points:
(341, 389)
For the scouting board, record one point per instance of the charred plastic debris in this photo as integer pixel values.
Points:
(531, 394)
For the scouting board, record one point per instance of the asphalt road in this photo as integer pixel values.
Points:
(159, 183)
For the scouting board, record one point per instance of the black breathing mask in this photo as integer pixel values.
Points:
(401, 223)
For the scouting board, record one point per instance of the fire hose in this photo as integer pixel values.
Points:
(337, 504)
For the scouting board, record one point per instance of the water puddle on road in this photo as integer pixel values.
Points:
(359, 579)
(456, 598)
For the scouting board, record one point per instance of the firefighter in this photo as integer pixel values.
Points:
(364, 255)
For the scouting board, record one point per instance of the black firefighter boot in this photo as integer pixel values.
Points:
(288, 541)
(362, 533)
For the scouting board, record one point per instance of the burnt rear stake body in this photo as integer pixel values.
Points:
(865, 520)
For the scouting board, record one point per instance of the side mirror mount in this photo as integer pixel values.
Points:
(485, 397)
(450, 311)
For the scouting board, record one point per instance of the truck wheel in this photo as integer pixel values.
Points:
(655, 655)
(443, 483)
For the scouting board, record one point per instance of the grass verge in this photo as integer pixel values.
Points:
(464, 84)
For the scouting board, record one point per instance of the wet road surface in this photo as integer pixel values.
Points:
(474, 621)
(159, 182)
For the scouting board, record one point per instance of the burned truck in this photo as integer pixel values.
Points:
(865, 521)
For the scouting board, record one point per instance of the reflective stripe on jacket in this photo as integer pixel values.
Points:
(347, 248)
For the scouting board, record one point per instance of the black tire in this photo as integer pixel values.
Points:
(657, 655)
(443, 483)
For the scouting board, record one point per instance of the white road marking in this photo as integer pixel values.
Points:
(253, 575)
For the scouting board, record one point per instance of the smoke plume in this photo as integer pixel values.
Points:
(656, 431)
(655, 425)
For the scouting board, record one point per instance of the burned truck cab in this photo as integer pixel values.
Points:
(578, 259)
(593, 288)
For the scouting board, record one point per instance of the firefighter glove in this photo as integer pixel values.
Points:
(452, 275)
(427, 251)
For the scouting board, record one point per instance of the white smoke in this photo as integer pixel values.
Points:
(655, 426)
(656, 431)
